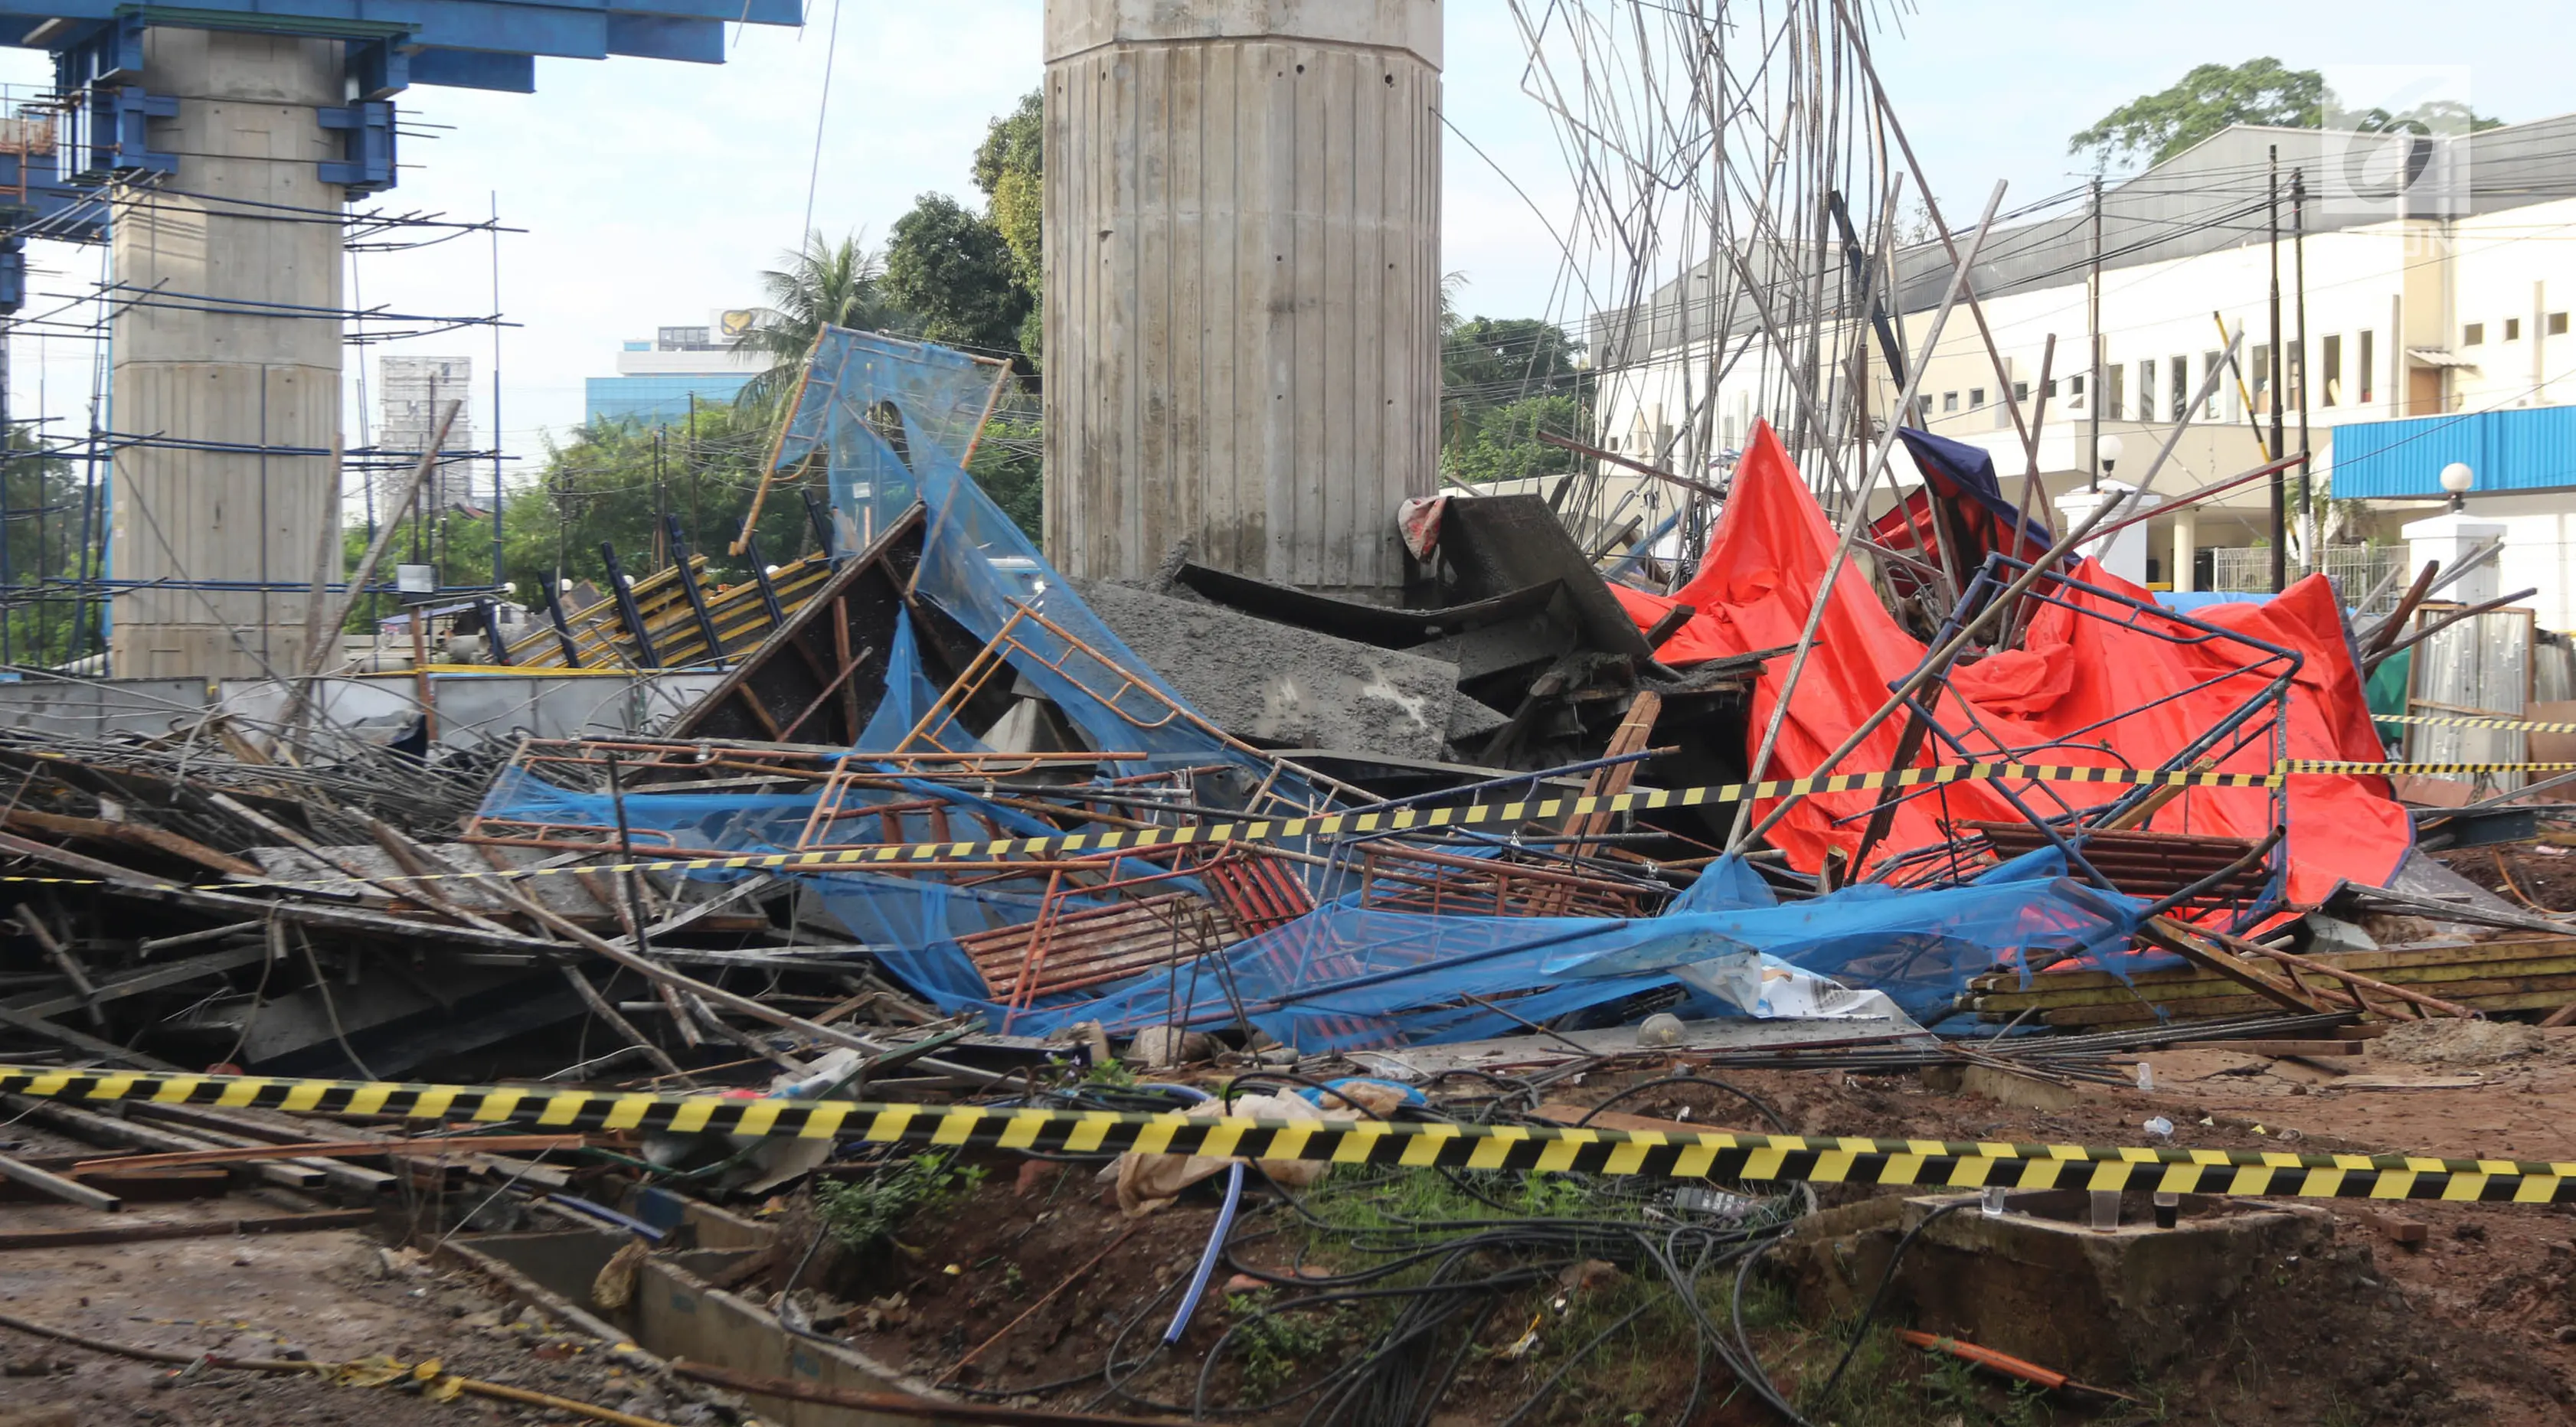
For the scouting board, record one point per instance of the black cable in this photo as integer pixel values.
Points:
(1760, 1105)
(1860, 1329)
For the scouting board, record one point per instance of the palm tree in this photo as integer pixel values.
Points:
(823, 284)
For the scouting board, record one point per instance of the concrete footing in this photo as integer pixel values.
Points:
(2041, 1284)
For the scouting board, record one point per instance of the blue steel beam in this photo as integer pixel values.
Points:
(565, 29)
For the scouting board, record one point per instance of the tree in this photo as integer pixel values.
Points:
(1502, 381)
(1502, 443)
(821, 284)
(616, 481)
(954, 272)
(53, 528)
(1010, 167)
(2210, 98)
(2433, 116)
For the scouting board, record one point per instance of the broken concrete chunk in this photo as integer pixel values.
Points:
(1282, 686)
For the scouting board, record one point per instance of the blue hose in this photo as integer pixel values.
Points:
(1216, 1239)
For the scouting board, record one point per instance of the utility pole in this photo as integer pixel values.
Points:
(2310, 530)
(8, 574)
(2093, 374)
(2280, 481)
(661, 506)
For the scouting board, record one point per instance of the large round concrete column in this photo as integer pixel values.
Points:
(1243, 284)
(227, 348)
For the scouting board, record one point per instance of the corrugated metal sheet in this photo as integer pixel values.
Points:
(2529, 449)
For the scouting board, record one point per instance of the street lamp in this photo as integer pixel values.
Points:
(2457, 478)
(2106, 452)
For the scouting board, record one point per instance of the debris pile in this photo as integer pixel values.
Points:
(980, 848)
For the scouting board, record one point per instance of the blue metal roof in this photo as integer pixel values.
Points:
(2526, 449)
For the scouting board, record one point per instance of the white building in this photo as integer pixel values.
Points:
(2438, 282)
(660, 380)
(411, 393)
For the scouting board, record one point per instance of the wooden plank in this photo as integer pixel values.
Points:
(2305, 1050)
(2372, 962)
(2501, 995)
(80, 1041)
(2183, 942)
(206, 1229)
(48, 1182)
(2443, 979)
(132, 834)
(107, 1130)
(174, 974)
(334, 1149)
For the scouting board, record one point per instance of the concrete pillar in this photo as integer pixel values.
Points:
(2452, 537)
(2186, 547)
(2123, 552)
(1243, 284)
(225, 336)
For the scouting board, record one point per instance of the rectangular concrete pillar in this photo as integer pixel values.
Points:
(227, 360)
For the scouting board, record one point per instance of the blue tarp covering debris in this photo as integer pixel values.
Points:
(891, 420)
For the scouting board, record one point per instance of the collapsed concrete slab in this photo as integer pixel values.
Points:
(1278, 685)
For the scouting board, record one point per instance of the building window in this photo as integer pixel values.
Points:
(2178, 383)
(1949, 401)
(2473, 334)
(2115, 397)
(2210, 363)
(2259, 378)
(2513, 329)
(2558, 324)
(2021, 392)
(2369, 372)
(2294, 374)
(2331, 360)
(2147, 390)
(1976, 398)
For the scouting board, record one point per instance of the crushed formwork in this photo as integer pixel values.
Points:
(954, 831)
(1278, 686)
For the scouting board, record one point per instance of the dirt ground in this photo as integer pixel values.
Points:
(332, 1296)
(2536, 875)
(2476, 1325)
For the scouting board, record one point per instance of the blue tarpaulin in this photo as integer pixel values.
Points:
(886, 415)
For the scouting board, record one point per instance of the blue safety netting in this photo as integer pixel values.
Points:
(892, 421)
(1349, 977)
(878, 410)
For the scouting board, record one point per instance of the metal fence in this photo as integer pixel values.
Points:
(2360, 573)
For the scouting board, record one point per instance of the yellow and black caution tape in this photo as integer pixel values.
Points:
(1365, 824)
(2507, 725)
(1405, 820)
(1715, 1154)
(2332, 765)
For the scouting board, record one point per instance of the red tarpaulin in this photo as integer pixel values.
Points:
(1765, 559)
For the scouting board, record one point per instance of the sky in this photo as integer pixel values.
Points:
(647, 193)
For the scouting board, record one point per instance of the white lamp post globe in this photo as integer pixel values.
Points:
(2457, 478)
